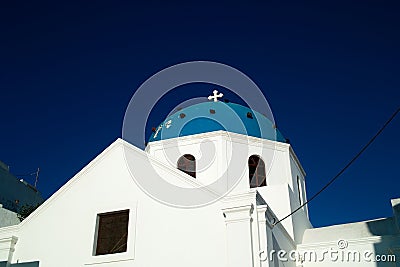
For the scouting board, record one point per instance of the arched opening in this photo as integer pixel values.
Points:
(256, 172)
(299, 190)
(187, 164)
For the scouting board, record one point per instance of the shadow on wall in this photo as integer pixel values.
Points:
(389, 231)
(275, 261)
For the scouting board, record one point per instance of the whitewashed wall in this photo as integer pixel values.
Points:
(230, 153)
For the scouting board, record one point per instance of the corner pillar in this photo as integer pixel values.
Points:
(265, 235)
(239, 235)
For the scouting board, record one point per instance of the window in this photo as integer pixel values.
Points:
(112, 232)
(256, 172)
(187, 164)
(299, 191)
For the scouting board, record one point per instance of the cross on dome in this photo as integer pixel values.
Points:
(215, 96)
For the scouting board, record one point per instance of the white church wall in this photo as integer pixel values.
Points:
(68, 218)
(282, 201)
(61, 232)
(281, 242)
(277, 198)
(208, 161)
(297, 172)
(226, 153)
(230, 153)
(241, 224)
(299, 219)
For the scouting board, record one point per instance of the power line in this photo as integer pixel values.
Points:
(344, 168)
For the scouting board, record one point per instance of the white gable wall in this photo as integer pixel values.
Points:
(61, 232)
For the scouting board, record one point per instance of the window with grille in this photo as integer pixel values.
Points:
(112, 232)
(256, 172)
(187, 164)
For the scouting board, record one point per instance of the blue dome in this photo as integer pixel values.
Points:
(215, 116)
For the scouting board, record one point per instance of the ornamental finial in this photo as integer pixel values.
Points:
(215, 96)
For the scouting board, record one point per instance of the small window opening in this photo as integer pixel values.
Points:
(257, 175)
(112, 232)
(187, 164)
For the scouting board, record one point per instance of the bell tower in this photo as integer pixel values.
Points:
(235, 149)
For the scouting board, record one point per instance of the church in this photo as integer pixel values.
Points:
(209, 189)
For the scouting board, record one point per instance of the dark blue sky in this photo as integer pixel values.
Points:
(330, 72)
